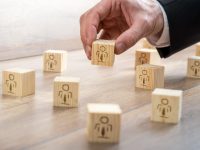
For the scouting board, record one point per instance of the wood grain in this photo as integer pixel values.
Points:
(33, 123)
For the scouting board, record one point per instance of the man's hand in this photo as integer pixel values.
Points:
(125, 21)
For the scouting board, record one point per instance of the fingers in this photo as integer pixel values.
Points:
(128, 38)
(89, 24)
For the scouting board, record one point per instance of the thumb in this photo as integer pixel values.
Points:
(127, 39)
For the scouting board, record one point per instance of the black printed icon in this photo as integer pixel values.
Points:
(65, 94)
(103, 128)
(164, 108)
(102, 55)
(144, 78)
(143, 58)
(196, 68)
(11, 84)
(51, 62)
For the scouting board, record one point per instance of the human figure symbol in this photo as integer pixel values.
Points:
(102, 54)
(164, 108)
(11, 83)
(65, 94)
(51, 62)
(196, 68)
(144, 78)
(143, 58)
(103, 127)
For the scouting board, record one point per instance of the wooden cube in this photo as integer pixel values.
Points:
(18, 82)
(198, 49)
(166, 105)
(103, 52)
(146, 44)
(104, 121)
(66, 91)
(149, 76)
(193, 68)
(54, 60)
(147, 56)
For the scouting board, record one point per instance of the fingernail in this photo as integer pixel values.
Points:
(120, 47)
(88, 51)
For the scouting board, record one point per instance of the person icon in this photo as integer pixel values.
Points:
(102, 54)
(51, 62)
(11, 83)
(143, 58)
(103, 128)
(164, 108)
(144, 78)
(196, 68)
(65, 94)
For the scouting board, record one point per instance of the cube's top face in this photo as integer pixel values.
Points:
(105, 42)
(19, 70)
(149, 66)
(194, 58)
(67, 79)
(55, 51)
(167, 92)
(146, 50)
(104, 108)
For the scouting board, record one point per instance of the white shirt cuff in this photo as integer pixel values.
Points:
(164, 40)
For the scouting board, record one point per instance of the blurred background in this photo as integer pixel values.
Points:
(28, 27)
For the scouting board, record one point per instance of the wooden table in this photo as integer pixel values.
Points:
(33, 123)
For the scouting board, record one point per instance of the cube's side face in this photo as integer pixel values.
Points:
(166, 109)
(12, 83)
(193, 68)
(198, 49)
(103, 128)
(52, 62)
(102, 54)
(158, 78)
(63, 62)
(66, 94)
(142, 58)
(144, 77)
(28, 83)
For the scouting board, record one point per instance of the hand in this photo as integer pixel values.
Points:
(125, 21)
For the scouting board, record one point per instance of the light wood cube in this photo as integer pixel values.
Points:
(193, 68)
(147, 56)
(166, 105)
(103, 52)
(18, 82)
(66, 91)
(146, 44)
(104, 121)
(149, 76)
(198, 49)
(54, 60)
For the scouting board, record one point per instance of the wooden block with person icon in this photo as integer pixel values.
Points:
(147, 56)
(66, 91)
(103, 52)
(149, 76)
(54, 61)
(18, 82)
(103, 124)
(193, 67)
(166, 105)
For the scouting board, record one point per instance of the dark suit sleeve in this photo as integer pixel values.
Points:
(184, 24)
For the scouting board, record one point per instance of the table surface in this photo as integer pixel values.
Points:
(33, 123)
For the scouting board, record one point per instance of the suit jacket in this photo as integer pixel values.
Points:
(184, 24)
